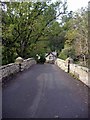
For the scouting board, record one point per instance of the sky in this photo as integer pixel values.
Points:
(77, 4)
(74, 5)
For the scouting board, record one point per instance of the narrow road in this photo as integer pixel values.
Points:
(44, 91)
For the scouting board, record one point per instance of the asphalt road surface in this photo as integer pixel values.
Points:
(44, 91)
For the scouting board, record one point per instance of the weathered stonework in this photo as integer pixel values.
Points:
(13, 68)
(7, 70)
(27, 63)
(62, 64)
(82, 73)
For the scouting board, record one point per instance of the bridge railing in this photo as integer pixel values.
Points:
(12, 68)
(80, 72)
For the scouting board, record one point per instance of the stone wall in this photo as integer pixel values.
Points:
(13, 68)
(82, 73)
(7, 70)
(62, 64)
(27, 63)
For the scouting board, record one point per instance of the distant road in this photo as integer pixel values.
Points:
(44, 91)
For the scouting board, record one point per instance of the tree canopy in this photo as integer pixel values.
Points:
(76, 44)
(24, 24)
(31, 28)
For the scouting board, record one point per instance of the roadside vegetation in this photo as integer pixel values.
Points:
(31, 28)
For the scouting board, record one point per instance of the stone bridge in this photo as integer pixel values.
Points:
(43, 91)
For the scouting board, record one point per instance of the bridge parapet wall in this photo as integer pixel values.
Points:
(82, 73)
(62, 64)
(7, 70)
(27, 63)
(13, 68)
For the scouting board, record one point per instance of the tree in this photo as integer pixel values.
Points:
(24, 24)
(76, 36)
(56, 37)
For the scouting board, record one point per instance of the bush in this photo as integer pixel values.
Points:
(42, 59)
(67, 52)
(63, 55)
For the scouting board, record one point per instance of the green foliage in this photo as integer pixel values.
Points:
(56, 37)
(26, 23)
(63, 56)
(67, 52)
(76, 43)
(42, 59)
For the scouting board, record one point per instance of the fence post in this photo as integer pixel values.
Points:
(68, 66)
(19, 67)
